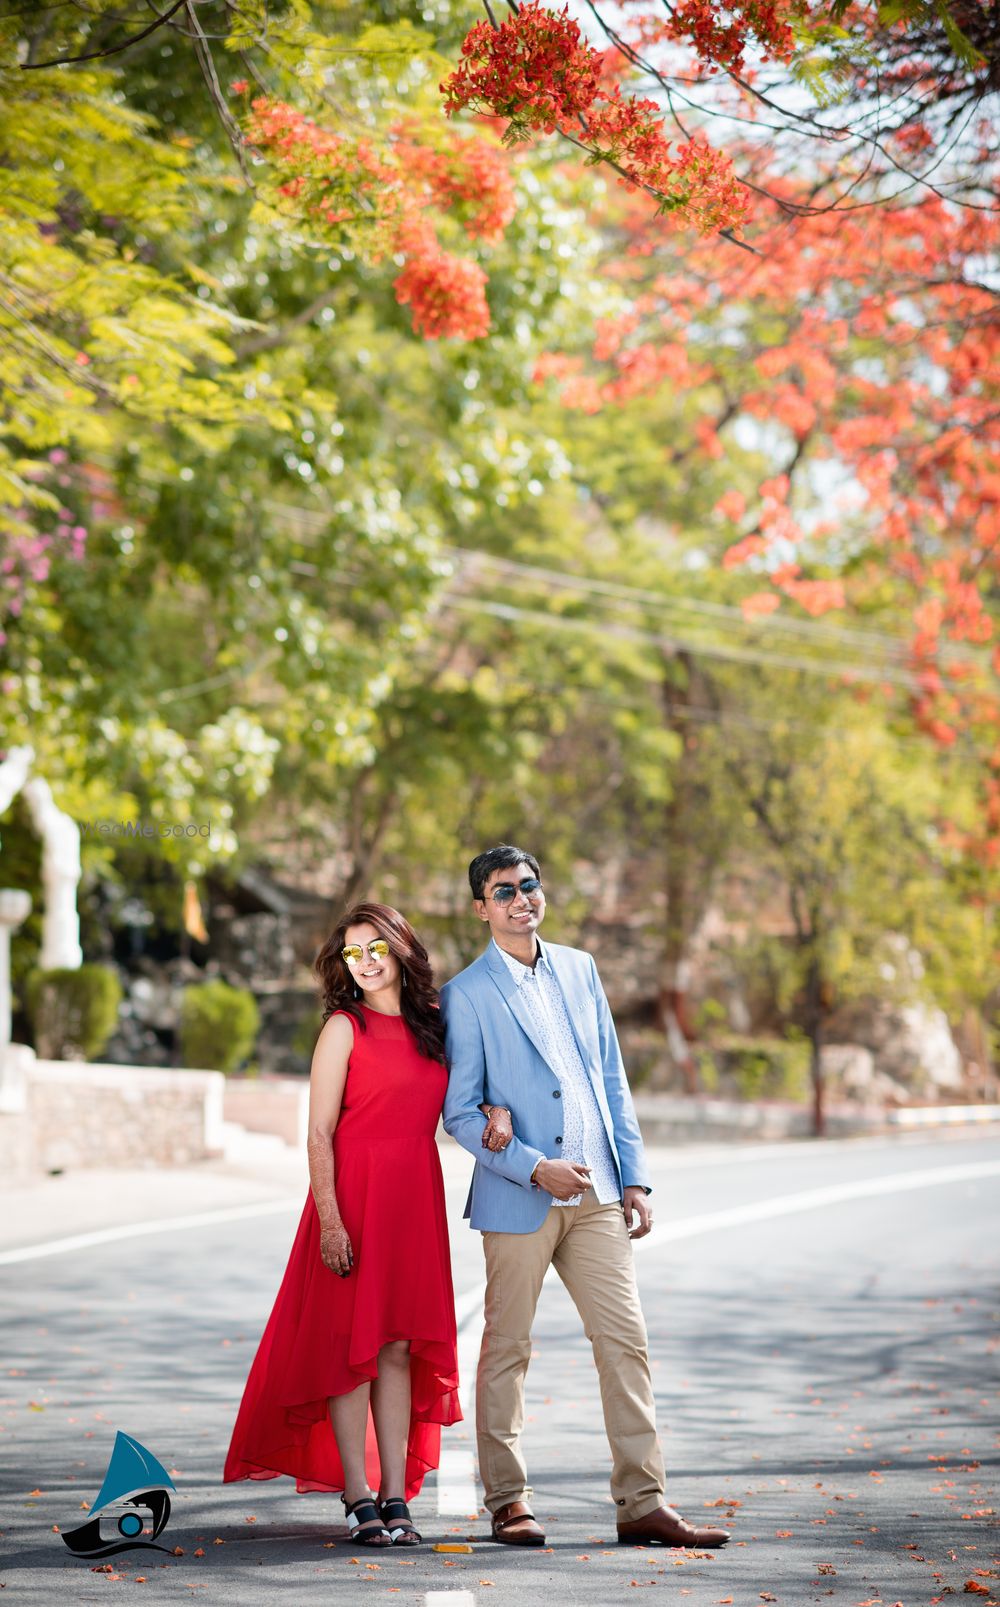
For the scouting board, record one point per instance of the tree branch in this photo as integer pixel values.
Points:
(109, 50)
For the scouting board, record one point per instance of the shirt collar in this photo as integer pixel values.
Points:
(517, 969)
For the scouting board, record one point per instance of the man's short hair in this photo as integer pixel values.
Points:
(503, 857)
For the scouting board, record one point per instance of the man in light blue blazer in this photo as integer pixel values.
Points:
(537, 1092)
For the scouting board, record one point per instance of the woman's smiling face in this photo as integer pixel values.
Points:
(372, 973)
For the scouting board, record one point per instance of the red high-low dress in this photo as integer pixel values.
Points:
(324, 1333)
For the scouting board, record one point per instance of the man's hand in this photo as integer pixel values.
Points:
(562, 1179)
(635, 1203)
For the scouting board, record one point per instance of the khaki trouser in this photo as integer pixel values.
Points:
(589, 1246)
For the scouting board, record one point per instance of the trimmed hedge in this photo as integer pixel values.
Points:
(73, 1011)
(219, 1026)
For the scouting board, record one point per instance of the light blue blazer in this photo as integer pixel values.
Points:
(495, 1057)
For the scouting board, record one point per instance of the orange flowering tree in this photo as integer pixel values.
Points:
(900, 97)
(863, 366)
(537, 71)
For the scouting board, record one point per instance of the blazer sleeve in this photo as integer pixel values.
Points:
(628, 1138)
(465, 1054)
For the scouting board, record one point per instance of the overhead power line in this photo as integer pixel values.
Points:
(672, 641)
(724, 615)
(779, 624)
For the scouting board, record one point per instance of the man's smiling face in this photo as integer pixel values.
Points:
(517, 919)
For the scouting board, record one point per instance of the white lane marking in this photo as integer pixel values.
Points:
(449, 1598)
(691, 1227)
(747, 1152)
(457, 1496)
(133, 1230)
(468, 1304)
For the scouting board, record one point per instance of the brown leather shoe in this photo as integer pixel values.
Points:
(515, 1525)
(665, 1527)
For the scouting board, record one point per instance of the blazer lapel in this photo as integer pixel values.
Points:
(514, 997)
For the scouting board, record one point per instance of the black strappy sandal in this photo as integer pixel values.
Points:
(360, 1514)
(395, 1514)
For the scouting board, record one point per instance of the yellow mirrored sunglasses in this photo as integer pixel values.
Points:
(378, 948)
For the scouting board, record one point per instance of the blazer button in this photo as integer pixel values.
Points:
(556, 1093)
(558, 1140)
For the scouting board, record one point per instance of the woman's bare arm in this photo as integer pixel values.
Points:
(327, 1078)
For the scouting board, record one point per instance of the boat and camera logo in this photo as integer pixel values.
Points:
(131, 1508)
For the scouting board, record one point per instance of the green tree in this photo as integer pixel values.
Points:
(848, 815)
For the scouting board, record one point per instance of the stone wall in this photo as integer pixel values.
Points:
(79, 1114)
(278, 1105)
(17, 1149)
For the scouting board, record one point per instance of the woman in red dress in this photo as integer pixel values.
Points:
(357, 1370)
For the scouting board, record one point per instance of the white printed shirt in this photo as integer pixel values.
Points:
(584, 1136)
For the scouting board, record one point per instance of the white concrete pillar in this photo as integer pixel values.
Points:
(15, 907)
(60, 836)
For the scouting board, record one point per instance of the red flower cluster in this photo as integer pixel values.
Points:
(706, 192)
(281, 129)
(472, 178)
(719, 34)
(535, 69)
(447, 294)
(384, 201)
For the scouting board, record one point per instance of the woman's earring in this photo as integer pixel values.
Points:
(357, 991)
(404, 979)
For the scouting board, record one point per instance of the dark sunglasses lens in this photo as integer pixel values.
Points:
(507, 891)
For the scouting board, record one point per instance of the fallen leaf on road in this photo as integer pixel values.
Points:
(972, 1587)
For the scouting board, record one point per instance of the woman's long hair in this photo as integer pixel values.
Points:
(418, 995)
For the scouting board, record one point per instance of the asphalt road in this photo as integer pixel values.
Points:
(823, 1326)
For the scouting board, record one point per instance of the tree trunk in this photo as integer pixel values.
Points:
(814, 1029)
(672, 1017)
(367, 839)
(672, 1012)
